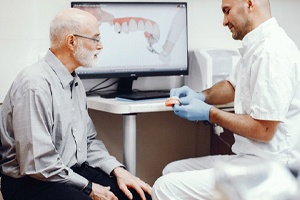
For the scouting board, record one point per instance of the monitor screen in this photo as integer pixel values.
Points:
(139, 39)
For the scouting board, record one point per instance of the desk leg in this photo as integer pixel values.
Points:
(129, 142)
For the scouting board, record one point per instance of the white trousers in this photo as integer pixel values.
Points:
(193, 178)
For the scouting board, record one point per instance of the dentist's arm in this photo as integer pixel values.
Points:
(220, 93)
(194, 109)
(244, 125)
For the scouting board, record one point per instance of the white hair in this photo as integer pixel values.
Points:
(62, 25)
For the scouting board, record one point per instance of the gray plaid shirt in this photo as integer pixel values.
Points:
(45, 127)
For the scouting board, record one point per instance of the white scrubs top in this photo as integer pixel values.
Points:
(266, 82)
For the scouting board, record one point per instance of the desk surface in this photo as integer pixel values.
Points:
(118, 106)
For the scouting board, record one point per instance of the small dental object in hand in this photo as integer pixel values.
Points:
(172, 100)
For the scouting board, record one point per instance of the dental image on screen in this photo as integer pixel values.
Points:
(139, 37)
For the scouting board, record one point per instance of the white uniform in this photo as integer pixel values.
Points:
(267, 87)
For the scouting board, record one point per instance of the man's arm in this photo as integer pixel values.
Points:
(220, 93)
(244, 125)
(97, 153)
(36, 152)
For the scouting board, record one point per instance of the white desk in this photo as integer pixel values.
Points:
(129, 110)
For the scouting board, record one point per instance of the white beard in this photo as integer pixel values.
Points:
(85, 57)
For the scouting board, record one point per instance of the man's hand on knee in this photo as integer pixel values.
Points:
(101, 193)
(126, 180)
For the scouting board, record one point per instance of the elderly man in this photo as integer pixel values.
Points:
(49, 148)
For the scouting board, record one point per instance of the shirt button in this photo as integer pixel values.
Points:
(79, 149)
(75, 129)
(73, 109)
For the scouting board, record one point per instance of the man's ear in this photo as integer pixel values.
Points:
(71, 42)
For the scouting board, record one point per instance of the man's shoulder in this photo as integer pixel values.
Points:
(33, 77)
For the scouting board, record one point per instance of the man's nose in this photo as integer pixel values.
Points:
(99, 45)
(225, 21)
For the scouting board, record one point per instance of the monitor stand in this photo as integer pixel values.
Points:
(125, 91)
(124, 87)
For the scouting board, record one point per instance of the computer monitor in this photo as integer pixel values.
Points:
(139, 39)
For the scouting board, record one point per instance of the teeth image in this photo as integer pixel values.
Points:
(156, 31)
(132, 25)
(125, 27)
(117, 27)
(141, 26)
(148, 27)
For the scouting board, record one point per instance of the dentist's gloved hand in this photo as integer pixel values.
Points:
(186, 92)
(192, 109)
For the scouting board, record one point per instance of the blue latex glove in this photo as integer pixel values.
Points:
(186, 92)
(192, 109)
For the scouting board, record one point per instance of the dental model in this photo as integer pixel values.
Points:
(171, 101)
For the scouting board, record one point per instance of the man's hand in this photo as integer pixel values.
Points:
(186, 92)
(102, 193)
(126, 180)
(192, 109)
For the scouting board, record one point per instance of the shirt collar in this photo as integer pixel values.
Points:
(257, 33)
(60, 70)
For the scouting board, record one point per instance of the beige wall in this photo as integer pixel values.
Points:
(161, 138)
